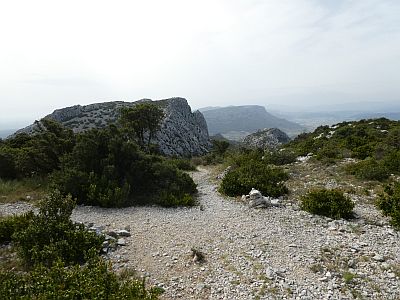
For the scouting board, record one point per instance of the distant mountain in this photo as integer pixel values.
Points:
(6, 132)
(235, 122)
(395, 116)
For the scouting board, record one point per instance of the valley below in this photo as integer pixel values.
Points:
(274, 253)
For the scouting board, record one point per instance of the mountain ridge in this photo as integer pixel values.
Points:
(182, 133)
(246, 118)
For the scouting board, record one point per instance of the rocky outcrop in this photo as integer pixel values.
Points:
(183, 132)
(266, 139)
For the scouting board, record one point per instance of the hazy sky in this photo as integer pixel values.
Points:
(300, 52)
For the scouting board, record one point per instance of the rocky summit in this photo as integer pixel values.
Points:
(183, 132)
(270, 138)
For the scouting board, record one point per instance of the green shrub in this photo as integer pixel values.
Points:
(279, 158)
(329, 203)
(11, 224)
(183, 164)
(369, 169)
(219, 147)
(31, 155)
(392, 161)
(107, 170)
(52, 236)
(208, 159)
(389, 203)
(94, 280)
(267, 179)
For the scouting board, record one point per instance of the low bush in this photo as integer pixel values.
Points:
(183, 164)
(51, 235)
(219, 147)
(329, 203)
(11, 224)
(269, 180)
(94, 280)
(389, 203)
(369, 169)
(279, 158)
(208, 159)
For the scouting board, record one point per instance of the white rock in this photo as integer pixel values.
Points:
(121, 242)
(379, 258)
(124, 233)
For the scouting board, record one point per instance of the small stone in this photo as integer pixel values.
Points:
(328, 274)
(391, 275)
(385, 266)
(121, 242)
(323, 279)
(124, 233)
(269, 273)
(379, 258)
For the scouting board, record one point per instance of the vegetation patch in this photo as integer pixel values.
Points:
(375, 142)
(389, 203)
(369, 169)
(60, 258)
(269, 180)
(329, 203)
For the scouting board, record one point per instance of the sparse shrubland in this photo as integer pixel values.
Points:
(328, 203)
(375, 143)
(389, 203)
(369, 169)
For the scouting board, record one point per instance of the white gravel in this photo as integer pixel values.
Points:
(275, 253)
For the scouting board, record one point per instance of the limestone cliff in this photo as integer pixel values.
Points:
(183, 132)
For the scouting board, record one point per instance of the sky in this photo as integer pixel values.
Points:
(285, 53)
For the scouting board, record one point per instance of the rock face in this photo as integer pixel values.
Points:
(266, 139)
(183, 132)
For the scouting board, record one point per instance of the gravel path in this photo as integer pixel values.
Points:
(275, 253)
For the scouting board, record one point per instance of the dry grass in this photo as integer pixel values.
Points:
(30, 190)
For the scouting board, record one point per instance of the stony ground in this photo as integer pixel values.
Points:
(275, 253)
